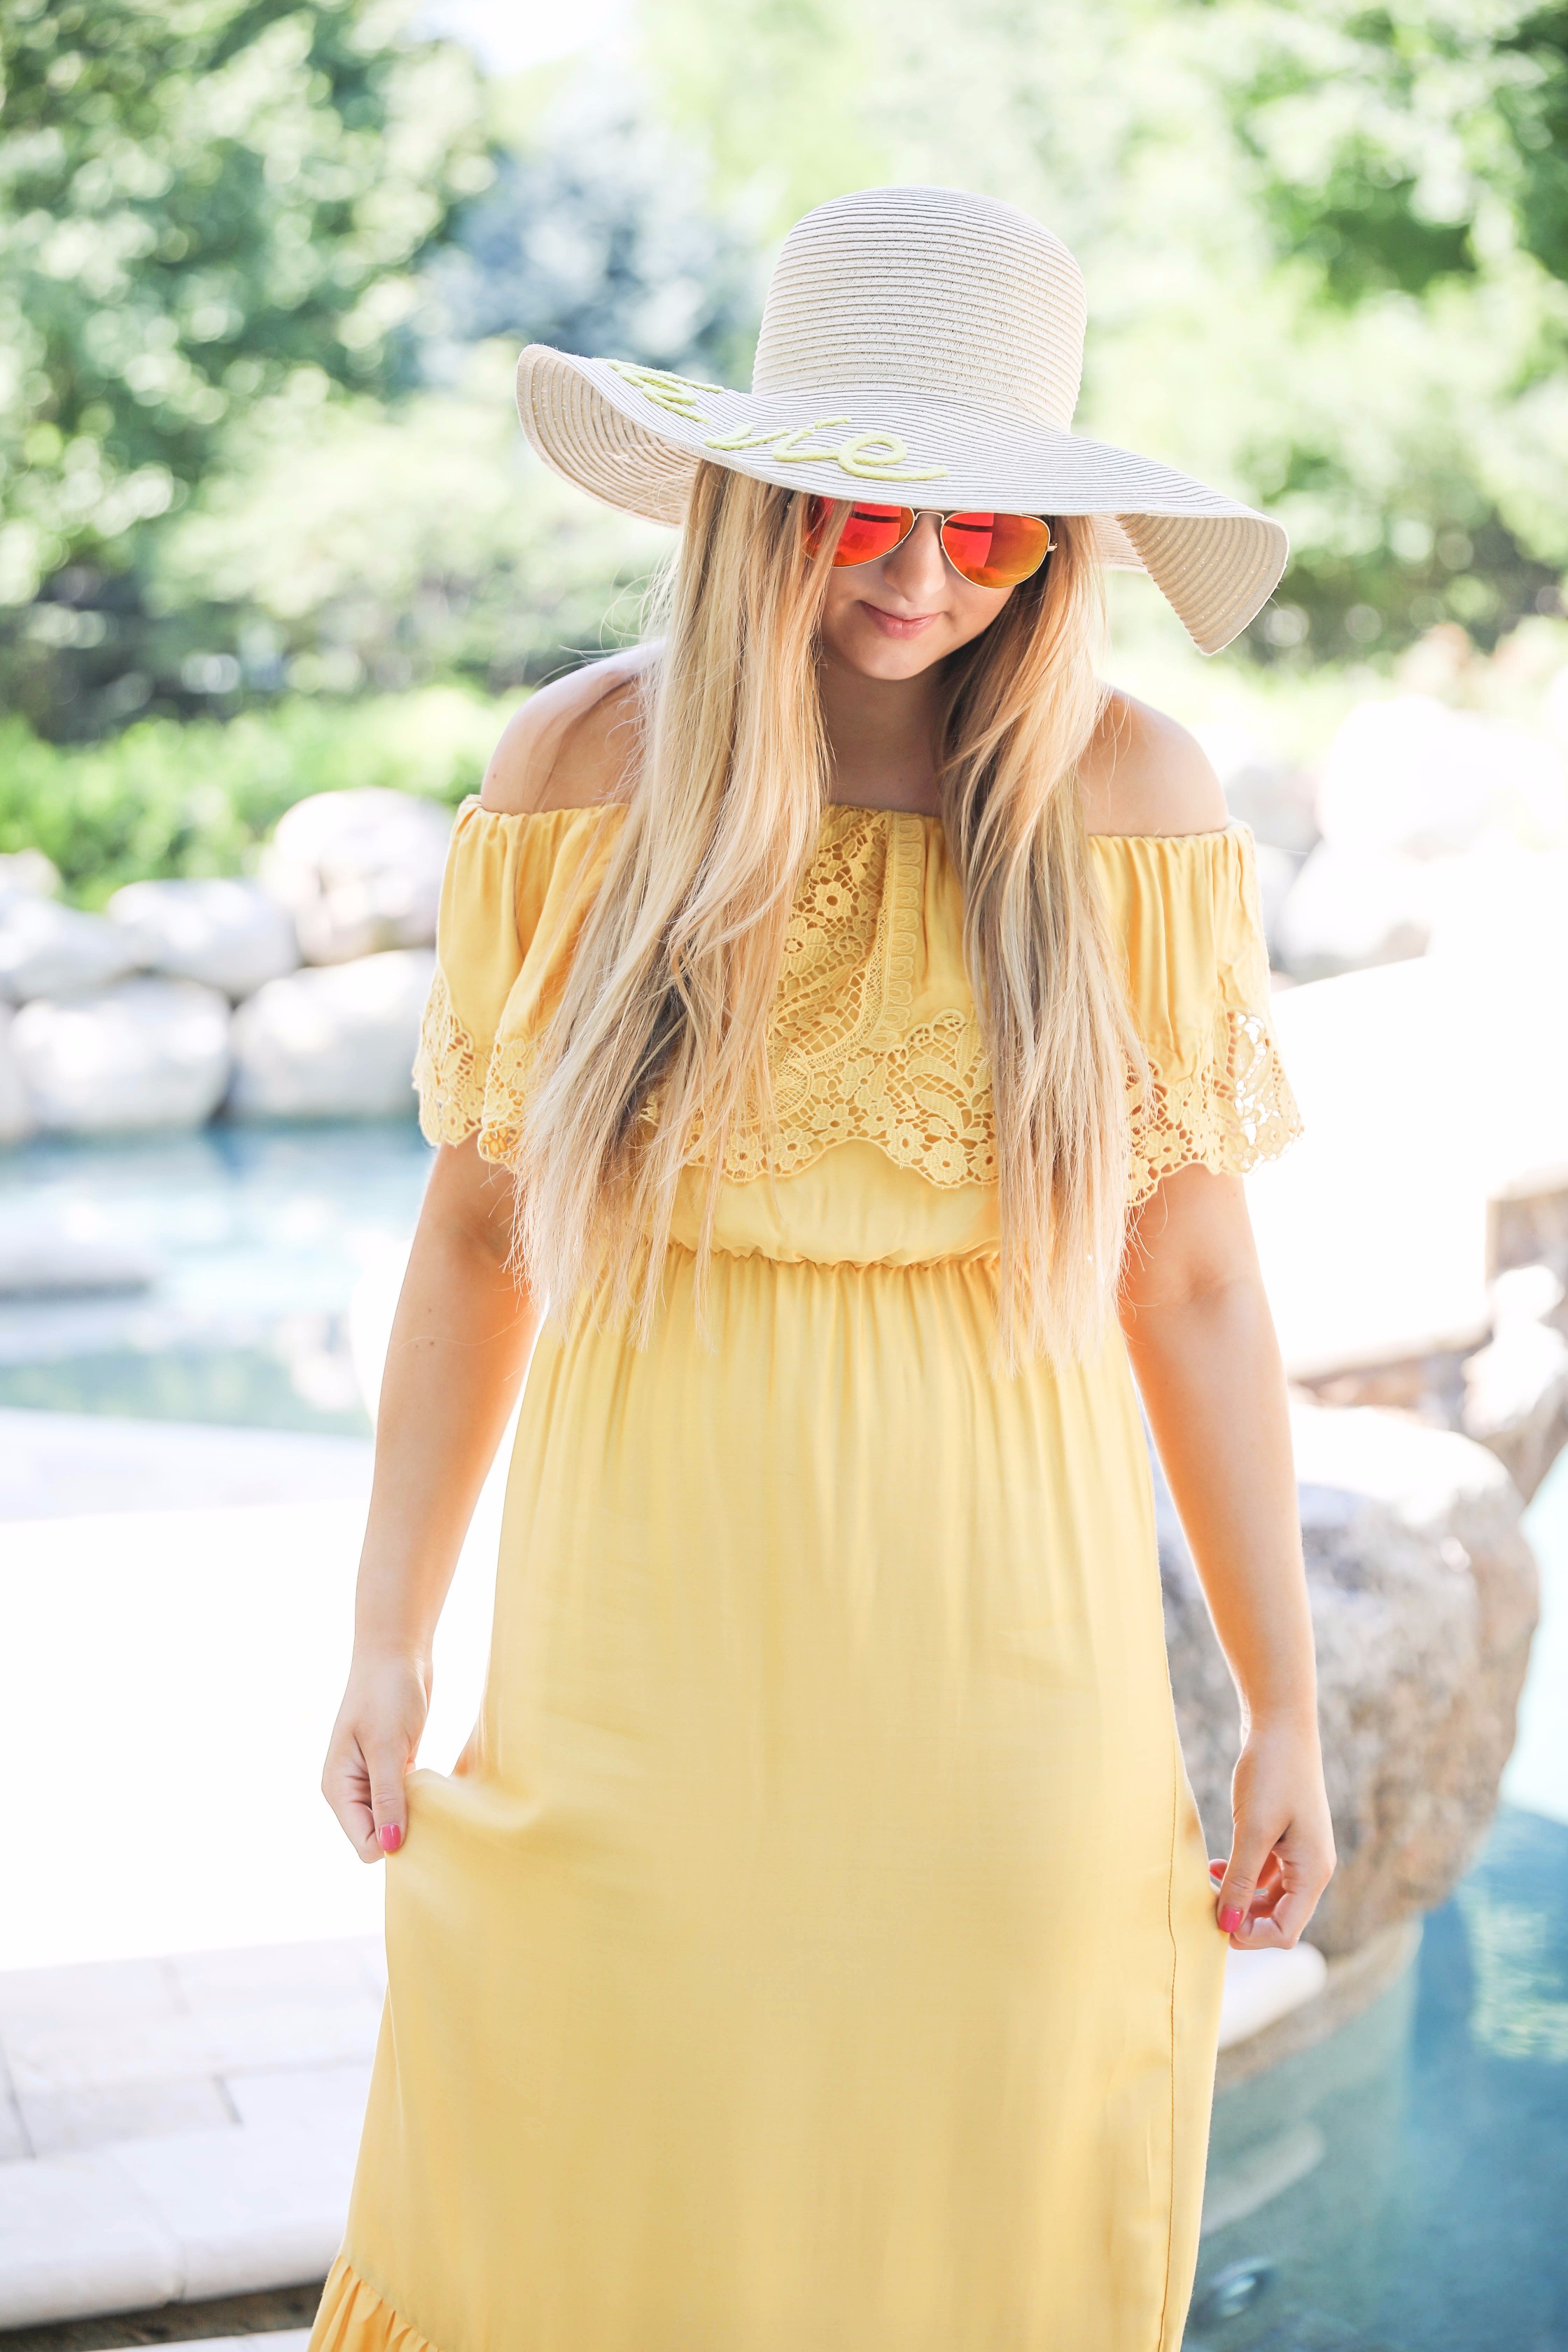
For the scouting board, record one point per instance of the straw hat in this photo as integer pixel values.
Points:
(922, 347)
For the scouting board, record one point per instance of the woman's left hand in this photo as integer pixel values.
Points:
(1282, 1844)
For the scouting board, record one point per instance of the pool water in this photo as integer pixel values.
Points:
(1401, 2188)
(256, 1238)
(1428, 2142)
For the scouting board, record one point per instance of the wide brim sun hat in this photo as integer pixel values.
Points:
(922, 347)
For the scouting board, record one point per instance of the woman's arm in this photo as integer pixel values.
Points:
(1208, 1364)
(459, 1347)
(463, 1331)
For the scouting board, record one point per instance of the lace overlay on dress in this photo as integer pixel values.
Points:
(846, 1063)
(848, 1066)
(1231, 1115)
(446, 1074)
(461, 1092)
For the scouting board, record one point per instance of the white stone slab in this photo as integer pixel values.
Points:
(1427, 1087)
(95, 1992)
(199, 1657)
(67, 1465)
(92, 2115)
(1372, 1228)
(247, 2210)
(180, 2219)
(307, 2098)
(336, 1969)
(82, 2055)
(77, 2235)
(1260, 1988)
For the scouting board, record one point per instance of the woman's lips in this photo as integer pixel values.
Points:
(899, 625)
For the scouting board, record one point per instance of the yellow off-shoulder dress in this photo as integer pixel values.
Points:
(813, 1949)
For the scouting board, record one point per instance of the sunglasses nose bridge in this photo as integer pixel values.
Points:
(910, 539)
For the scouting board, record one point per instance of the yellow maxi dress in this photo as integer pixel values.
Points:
(813, 1949)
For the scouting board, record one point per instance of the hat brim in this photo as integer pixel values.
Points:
(633, 438)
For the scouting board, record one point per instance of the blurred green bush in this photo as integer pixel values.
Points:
(167, 799)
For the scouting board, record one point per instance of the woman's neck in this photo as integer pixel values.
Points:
(881, 737)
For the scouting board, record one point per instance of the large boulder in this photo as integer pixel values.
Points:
(230, 935)
(16, 1120)
(1510, 1394)
(1348, 907)
(1411, 777)
(1273, 796)
(1423, 1595)
(360, 871)
(1434, 821)
(67, 1250)
(48, 950)
(29, 872)
(1515, 1389)
(141, 1054)
(336, 1043)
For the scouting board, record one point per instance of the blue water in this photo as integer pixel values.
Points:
(1403, 2186)
(1432, 2218)
(257, 1239)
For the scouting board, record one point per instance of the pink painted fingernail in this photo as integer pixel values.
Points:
(391, 1838)
(1229, 1919)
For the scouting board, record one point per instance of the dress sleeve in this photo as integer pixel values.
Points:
(513, 898)
(1186, 909)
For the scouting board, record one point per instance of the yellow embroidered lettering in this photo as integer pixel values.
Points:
(788, 446)
(646, 378)
(868, 457)
(742, 436)
(675, 392)
(858, 457)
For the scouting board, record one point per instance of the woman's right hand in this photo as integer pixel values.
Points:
(375, 1742)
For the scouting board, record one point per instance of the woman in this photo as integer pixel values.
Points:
(852, 1023)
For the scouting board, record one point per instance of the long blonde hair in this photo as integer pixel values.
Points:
(661, 1033)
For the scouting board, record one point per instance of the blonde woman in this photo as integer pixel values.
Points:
(850, 1031)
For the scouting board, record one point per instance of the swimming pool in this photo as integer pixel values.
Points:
(257, 1239)
(1421, 2155)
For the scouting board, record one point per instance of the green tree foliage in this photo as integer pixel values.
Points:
(1316, 234)
(1534, 106)
(203, 203)
(1409, 166)
(295, 567)
(1411, 142)
(363, 546)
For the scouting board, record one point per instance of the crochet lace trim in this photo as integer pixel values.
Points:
(847, 1066)
(1230, 1115)
(447, 1074)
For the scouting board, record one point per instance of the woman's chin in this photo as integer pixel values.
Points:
(873, 653)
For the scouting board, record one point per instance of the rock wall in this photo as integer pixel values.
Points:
(120, 1021)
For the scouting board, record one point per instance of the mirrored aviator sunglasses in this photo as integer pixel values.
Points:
(990, 551)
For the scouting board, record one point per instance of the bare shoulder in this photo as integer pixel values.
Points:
(1142, 772)
(574, 743)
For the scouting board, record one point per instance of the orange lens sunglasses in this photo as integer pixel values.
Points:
(992, 551)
